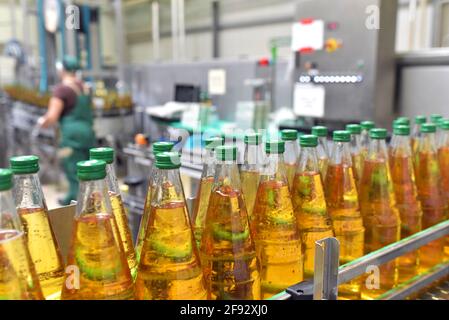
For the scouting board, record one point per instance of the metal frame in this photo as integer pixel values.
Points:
(328, 275)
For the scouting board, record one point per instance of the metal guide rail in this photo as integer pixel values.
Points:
(328, 275)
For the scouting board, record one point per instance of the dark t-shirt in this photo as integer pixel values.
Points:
(67, 95)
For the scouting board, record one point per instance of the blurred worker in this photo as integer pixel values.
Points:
(71, 106)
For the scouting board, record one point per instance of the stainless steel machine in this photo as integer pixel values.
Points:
(357, 65)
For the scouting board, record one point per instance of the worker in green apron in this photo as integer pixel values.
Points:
(71, 106)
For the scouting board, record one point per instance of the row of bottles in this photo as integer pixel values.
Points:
(253, 228)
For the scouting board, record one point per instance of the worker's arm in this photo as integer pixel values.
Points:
(55, 108)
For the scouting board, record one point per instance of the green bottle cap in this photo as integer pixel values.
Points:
(401, 130)
(420, 119)
(5, 179)
(168, 160)
(428, 128)
(378, 133)
(308, 140)
(402, 121)
(24, 164)
(434, 118)
(226, 153)
(212, 143)
(289, 135)
(354, 128)
(367, 125)
(319, 131)
(445, 124)
(253, 138)
(162, 147)
(275, 146)
(91, 170)
(105, 154)
(342, 136)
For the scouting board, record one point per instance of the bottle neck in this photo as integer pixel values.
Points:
(427, 143)
(365, 139)
(401, 146)
(444, 140)
(291, 151)
(308, 160)
(227, 175)
(356, 144)
(9, 219)
(209, 163)
(111, 179)
(341, 154)
(322, 148)
(93, 198)
(167, 187)
(28, 191)
(274, 168)
(378, 150)
(253, 158)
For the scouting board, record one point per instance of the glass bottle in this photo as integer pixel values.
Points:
(379, 213)
(18, 277)
(97, 265)
(430, 194)
(205, 188)
(416, 133)
(366, 127)
(118, 209)
(274, 226)
(403, 176)
(228, 254)
(157, 148)
(309, 202)
(402, 121)
(356, 151)
(251, 168)
(33, 212)
(343, 207)
(443, 156)
(291, 154)
(435, 119)
(322, 149)
(170, 267)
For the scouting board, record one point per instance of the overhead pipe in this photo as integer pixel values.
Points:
(155, 30)
(174, 29)
(182, 29)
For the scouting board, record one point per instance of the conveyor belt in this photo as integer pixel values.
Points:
(439, 291)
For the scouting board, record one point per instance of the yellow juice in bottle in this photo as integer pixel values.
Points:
(250, 181)
(205, 188)
(169, 268)
(274, 227)
(402, 173)
(227, 252)
(309, 203)
(433, 204)
(18, 279)
(290, 170)
(107, 154)
(443, 157)
(97, 265)
(200, 207)
(381, 220)
(103, 271)
(343, 207)
(125, 234)
(251, 168)
(157, 148)
(43, 249)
